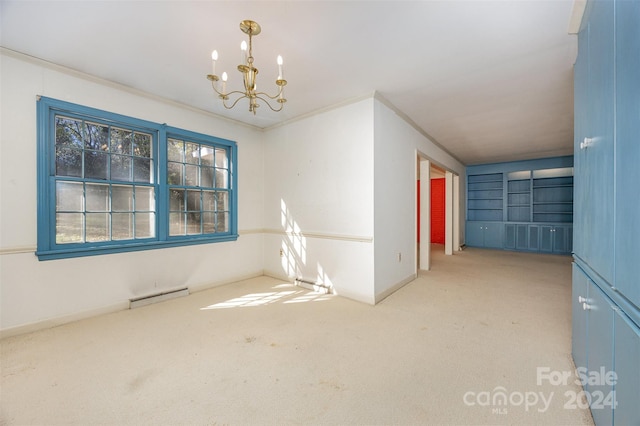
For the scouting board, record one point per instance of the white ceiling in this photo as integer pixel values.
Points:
(488, 80)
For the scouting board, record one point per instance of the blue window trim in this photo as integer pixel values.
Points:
(47, 249)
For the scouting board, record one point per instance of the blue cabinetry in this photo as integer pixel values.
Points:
(551, 238)
(599, 313)
(593, 157)
(627, 367)
(606, 351)
(484, 234)
(556, 238)
(627, 152)
(508, 202)
(606, 273)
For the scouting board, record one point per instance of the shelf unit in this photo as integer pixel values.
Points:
(522, 205)
(519, 196)
(485, 197)
(553, 198)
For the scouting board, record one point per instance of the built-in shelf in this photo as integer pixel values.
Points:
(525, 208)
(553, 196)
(485, 197)
(519, 196)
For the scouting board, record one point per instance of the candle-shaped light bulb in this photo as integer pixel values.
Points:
(243, 47)
(224, 82)
(224, 76)
(279, 67)
(214, 58)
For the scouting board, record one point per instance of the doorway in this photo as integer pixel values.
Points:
(437, 212)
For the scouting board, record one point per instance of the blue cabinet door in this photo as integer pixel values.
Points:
(599, 171)
(534, 237)
(627, 233)
(485, 234)
(493, 234)
(510, 236)
(546, 238)
(627, 365)
(569, 242)
(560, 239)
(580, 123)
(522, 237)
(600, 315)
(599, 353)
(475, 234)
(579, 293)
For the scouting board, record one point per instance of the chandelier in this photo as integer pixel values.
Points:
(249, 74)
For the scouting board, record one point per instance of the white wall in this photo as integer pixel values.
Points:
(33, 291)
(313, 194)
(319, 200)
(396, 146)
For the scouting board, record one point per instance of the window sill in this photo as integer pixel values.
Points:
(66, 253)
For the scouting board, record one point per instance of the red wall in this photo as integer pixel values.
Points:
(437, 210)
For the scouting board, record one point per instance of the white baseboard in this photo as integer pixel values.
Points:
(380, 297)
(119, 306)
(65, 319)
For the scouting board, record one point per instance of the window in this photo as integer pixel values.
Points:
(110, 183)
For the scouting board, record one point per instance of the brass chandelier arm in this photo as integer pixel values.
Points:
(266, 101)
(225, 97)
(268, 95)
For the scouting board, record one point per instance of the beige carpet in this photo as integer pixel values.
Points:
(442, 350)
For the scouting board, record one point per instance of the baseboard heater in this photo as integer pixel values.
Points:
(310, 285)
(158, 297)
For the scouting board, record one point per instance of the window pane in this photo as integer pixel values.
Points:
(193, 223)
(121, 141)
(176, 224)
(97, 227)
(222, 199)
(145, 225)
(122, 226)
(206, 155)
(145, 198)
(221, 158)
(69, 196)
(192, 153)
(191, 175)
(206, 177)
(175, 150)
(208, 200)
(97, 198)
(121, 198)
(142, 170)
(193, 200)
(176, 200)
(95, 164)
(208, 222)
(68, 162)
(121, 167)
(96, 137)
(68, 133)
(102, 178)
(68, 228)
(222, 224)
(142, 145)
(174, 173)
(222, 180)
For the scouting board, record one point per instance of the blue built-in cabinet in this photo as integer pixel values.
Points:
(606, 246)
(521, 205)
